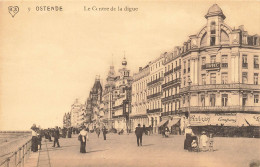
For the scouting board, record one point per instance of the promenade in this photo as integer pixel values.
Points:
(122, 151)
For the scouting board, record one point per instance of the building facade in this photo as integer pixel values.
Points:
(122, 98)
(67, 120)
(155, 80)
(78, 114)
(139, 103)
(220, 69)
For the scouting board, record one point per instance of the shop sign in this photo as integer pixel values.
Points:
(199, 119)
(226, 119)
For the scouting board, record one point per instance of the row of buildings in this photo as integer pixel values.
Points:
(210, 80)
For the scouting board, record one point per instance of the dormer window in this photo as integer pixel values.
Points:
(213, 27)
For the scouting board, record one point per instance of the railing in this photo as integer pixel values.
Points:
(211, 66)
(154, 110)
(224, 65)
(221, 108)
(168, 72)
(154, 95)
(220, 86)
(19, 157)
(177, 68)
(155, 81)
(170, 97)
(177, 80)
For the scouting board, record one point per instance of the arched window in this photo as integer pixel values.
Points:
(213, 27)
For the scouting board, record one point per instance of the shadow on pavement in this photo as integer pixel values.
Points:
(96, 151)
(147, 145)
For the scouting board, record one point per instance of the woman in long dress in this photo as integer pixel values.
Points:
(83, 135)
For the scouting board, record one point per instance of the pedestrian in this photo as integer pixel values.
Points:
(211, 142)
(139, 134)
(204, 140)
(69, 132)
(83, 137)
(34, 146)
(98, 132)
(104, 130)
(39, 137)
(56, 136)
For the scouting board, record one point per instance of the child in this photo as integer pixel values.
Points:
(211, 142)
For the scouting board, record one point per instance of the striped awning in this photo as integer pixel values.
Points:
(162, 123)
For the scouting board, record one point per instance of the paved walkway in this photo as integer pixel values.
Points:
(122, 151)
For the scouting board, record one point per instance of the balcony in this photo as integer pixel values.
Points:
(222, 109)
(168, 72)
(210, 66)
(220, 86)
(154, 110)
(176, 81)
(155, 81)
(256, 66)
(244, 65)
(224, 65)
(154, 95)
(172, 97)
(169, 113)
(177, 68)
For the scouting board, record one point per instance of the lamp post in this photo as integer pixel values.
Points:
(189, 82)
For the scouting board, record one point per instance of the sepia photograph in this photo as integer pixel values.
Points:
(165, 83)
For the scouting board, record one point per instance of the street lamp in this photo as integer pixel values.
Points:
(189, 82)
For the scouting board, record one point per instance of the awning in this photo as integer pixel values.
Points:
(253, 119)
(173, 122)
(162, 123)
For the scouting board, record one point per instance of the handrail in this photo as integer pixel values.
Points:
(22, 151)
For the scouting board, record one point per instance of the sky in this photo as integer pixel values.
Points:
(48, 59)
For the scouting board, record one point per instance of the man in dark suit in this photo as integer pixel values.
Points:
(56, 136)
(139, 134)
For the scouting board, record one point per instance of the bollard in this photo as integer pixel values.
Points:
(15, 157)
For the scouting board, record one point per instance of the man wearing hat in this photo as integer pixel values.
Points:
(139, 134)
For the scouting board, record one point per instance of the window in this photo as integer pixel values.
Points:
(213, 59)
(203, 79)
(212, 41)
(184, 67)
(244, 77)
(256, 62)
(256, 98)
(188, 65)
(202, 99)
(224, 99)
(213, 78)
(212, 33)
(224, 78)
(213, 27)
(256, 78)
(184, 81)
(244, 61)
(203, 61)
(224, 61)
(212, 100)
(183, 100)
(244, 99)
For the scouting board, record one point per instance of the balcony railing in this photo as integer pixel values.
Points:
(221, 108)
(154, 110)
(177, 68)
(256, 66)
(155, 81)
(168, 72)
(220, 86)
(154, 95)
(244, 65)
(176, 81)
(170, 97)
(209, 66)
(224, 65)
